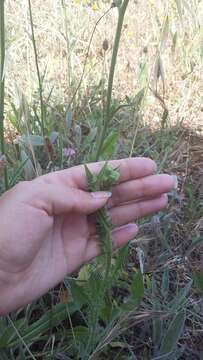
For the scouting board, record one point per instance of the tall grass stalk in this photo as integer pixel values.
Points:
(68, 44)
(86, 58)
(40, 80)
(2, 85)
(107, 118)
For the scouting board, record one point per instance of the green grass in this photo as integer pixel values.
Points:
(157, 314)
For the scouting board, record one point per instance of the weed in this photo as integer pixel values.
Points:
(106, 178)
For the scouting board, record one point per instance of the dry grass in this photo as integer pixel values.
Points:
(62, 59)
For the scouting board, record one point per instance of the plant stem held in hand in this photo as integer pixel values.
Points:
(103, 181)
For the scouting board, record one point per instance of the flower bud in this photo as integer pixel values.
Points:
(105, 45)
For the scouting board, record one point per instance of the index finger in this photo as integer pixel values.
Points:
(129, 168)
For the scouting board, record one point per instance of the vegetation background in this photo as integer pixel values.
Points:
(56, 71)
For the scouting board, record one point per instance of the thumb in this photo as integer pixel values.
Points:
(58, 200)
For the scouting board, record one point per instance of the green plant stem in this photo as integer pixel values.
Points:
(107, 118)
(40, 82)
(2, 85)
(104, 180)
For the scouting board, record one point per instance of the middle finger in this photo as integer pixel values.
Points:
(143, 188)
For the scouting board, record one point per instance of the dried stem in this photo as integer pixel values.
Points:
(40, 81)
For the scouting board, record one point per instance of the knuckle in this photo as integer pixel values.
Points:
(139, 211)
(142, 187)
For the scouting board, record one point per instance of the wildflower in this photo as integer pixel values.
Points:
(95, 7)
(68, 152)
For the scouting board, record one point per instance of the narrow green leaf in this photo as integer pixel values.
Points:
(109, 145)
(32, 332)
(8, 333)
(157, 324)
(79, 296)
(28, 169)
(34, 140)
(91, 179)
(165, 283)
(137, 287)
(69, 119)
(173, 333)
(198, 280)
(17, 173)
(180, 298)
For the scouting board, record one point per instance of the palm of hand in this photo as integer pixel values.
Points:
(47, 229)
(39, 254)
(47, 246)
(72, 237)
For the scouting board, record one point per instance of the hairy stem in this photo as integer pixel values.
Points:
(104, 180)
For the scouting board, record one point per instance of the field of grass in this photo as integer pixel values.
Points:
(58, 57)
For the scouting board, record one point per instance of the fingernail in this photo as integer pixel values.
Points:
(165, 198)
(101, 194)
(109, 205)
(175, 181)
(131, 226)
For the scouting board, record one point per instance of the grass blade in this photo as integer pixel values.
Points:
(173, 333)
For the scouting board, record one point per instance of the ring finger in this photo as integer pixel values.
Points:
(143, 188)
(121, 215)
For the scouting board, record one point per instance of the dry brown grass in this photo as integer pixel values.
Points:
(144, 24)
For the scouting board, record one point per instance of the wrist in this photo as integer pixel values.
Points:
(8, 293)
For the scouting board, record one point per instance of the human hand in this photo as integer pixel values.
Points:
(48, 230)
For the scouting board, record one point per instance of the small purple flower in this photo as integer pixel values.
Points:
(68, 152)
